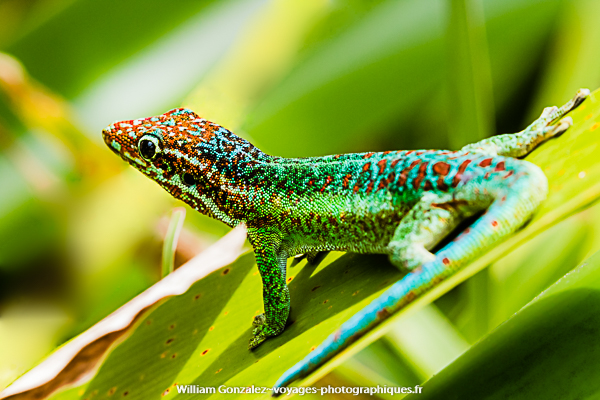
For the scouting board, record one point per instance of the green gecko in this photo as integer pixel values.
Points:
(399, 203)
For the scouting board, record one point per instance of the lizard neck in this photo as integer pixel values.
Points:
(235, 178)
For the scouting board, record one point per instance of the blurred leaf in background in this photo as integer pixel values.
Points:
(81, 234)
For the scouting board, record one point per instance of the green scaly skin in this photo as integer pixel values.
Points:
(399, 203)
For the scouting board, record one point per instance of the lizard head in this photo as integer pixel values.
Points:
(176, 150)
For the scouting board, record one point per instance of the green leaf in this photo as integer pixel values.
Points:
(548, 350)
(171, 239)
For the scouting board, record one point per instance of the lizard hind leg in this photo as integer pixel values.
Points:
(426, 224)
(512, 206)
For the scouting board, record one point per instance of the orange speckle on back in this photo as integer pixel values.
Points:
(486, 163)
(441, 168)
(595, 126)
(381, 164)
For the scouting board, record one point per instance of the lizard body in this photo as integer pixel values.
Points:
(399, 203)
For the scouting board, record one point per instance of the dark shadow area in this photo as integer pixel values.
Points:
(345, 282)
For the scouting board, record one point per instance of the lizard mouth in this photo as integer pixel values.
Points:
(110, 141)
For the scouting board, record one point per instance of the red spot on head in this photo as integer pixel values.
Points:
(381, 164)
(428, 186)
(500, 166)
(446, 261)
(366, 167)
(494, 223)
(367, 155)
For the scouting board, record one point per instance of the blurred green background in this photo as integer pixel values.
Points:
(81, 233)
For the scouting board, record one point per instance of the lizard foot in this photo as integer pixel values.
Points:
(259, 320)
(559, 128)
(262, 331)
(408, 257)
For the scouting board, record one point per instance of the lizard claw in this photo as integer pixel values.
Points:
(258, 320)
(262, 331)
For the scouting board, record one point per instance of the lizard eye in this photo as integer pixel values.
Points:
(149, 147)
(188, 179)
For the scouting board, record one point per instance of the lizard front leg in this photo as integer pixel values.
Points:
(276, 295)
